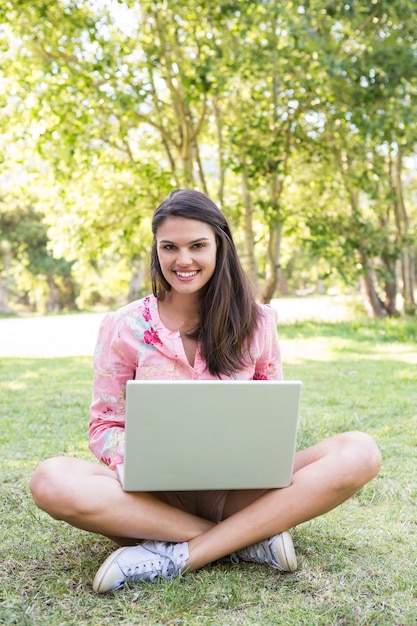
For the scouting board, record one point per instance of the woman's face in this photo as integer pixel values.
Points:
(186, 251)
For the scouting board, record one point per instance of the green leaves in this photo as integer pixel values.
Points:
(308, 107)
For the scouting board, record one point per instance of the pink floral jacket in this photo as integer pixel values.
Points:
(134, 343)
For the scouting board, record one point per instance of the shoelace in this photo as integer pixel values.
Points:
(253, 553)
(163, 566)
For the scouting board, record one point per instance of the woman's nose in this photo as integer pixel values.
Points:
(184, 257)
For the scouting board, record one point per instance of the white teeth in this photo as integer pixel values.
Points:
(186, 274)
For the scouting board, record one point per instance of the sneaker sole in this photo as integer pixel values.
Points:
(103, 570)
(283, 548)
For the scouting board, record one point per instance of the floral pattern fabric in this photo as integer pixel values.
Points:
(133, 343)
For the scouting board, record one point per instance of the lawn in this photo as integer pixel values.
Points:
(357, 564)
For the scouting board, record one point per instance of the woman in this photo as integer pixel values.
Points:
(201, 322)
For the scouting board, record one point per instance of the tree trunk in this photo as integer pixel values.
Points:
(4, 297)
(413, 271)
(186, 127)
(403, 225)
(164, 139)
(274, 256)
(407, 262)
(200, 167)
(390, 288)
(220, 149)
(53, 303)
(68, 293)
(390, 298)
(275, 226)
(251, 265)
(376, 306)
(4, 291)
(274, 239)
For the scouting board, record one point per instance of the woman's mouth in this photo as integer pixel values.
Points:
(186, 275)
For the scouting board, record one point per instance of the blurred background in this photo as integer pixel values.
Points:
(299, 118)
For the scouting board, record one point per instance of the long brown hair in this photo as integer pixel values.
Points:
(228, 311)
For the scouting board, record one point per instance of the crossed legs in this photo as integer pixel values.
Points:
(89, 496)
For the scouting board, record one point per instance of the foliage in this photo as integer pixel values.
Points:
(24, 243)
(298, 117)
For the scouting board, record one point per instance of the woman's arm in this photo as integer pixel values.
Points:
(268, 364)
(114, 364)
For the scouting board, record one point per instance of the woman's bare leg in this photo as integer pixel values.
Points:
(90, 497)
(325, 475)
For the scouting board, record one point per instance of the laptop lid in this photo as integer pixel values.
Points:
(198, 435)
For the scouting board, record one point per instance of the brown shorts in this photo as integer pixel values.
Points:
(208, 505)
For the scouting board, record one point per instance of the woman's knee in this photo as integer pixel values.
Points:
(47, 484)
(360, 457)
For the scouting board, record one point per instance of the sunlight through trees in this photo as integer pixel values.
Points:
(298, 118)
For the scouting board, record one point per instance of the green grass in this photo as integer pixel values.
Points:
(357, 564)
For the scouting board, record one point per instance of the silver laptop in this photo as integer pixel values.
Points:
(197, 435)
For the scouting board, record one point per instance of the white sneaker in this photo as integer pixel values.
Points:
(145, 562)
(277, 551)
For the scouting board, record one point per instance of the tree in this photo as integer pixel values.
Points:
(252, 101)
(264, 102)
(24, 242)
(368, 106)
(104, 100)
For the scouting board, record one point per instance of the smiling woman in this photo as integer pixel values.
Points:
(213, 306)
(201, 323)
